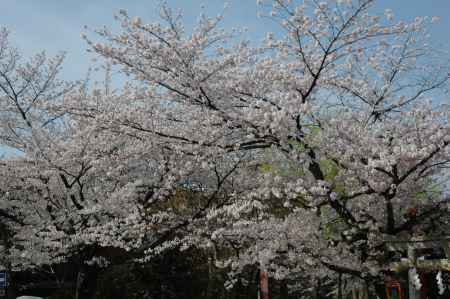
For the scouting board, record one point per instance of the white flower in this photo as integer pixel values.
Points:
(414, 276)
(440, 284)
(435, 19)
(136, 22)
(389, 15)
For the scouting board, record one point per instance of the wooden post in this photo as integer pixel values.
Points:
(264, 284)
(79, 283)
(411, 258)
(339, 286)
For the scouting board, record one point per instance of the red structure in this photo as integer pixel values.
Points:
(394, 290)
(264, 284)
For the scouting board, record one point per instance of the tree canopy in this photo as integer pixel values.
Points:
(300, 155)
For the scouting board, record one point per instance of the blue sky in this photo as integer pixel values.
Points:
(55, 25)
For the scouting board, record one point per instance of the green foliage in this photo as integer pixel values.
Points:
(431, 191)
(329, 168)
(266, 168)
(299, 146)
(333, 229)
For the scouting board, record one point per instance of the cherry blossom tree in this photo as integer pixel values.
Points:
(344, 98)
(301, 155)
(49, 188)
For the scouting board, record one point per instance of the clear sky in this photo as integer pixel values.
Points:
(55, 25)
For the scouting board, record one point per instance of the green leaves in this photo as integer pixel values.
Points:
(329, 168)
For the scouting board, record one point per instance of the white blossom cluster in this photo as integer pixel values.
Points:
(414, 276)
(440, 284)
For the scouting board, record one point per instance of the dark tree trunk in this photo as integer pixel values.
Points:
(284, 290)
(86, 283)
